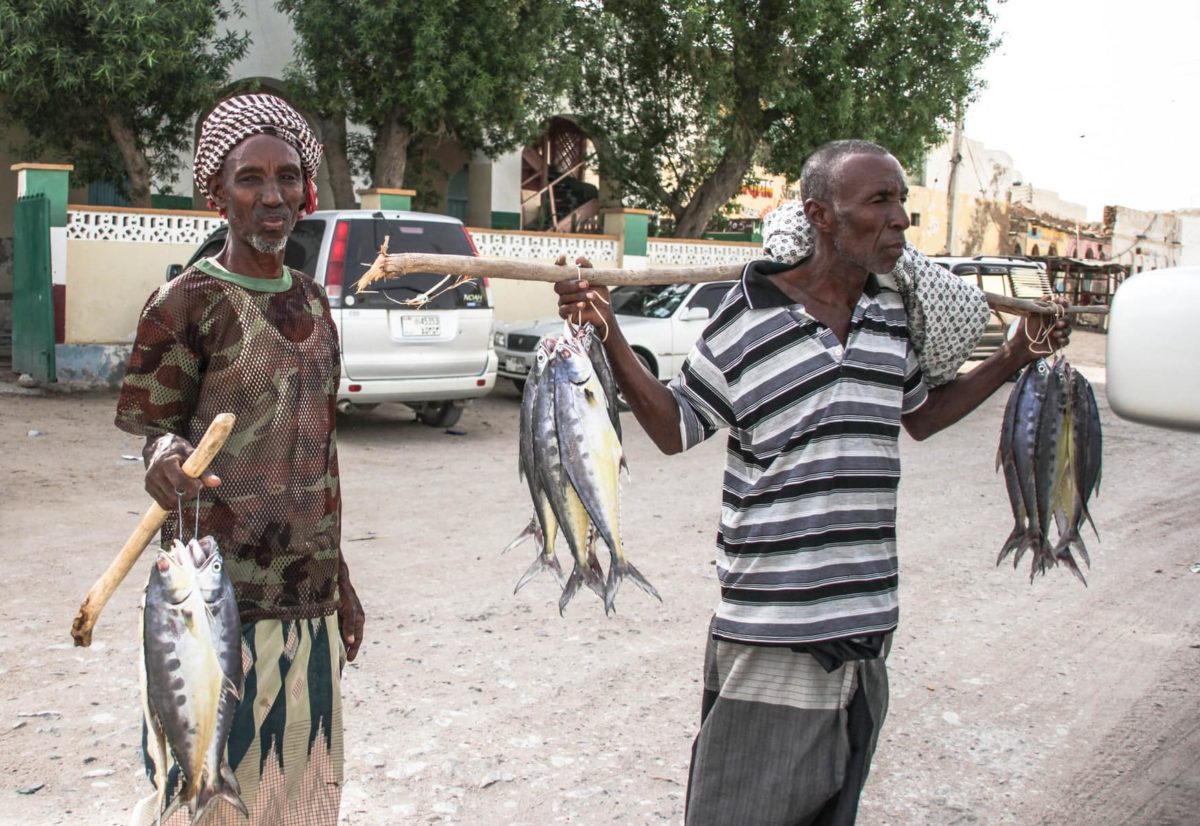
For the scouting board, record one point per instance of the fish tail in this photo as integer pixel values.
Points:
(1014, 541)
(530, 530)
(542, 562)
(570, 588)
(593, 574)
(223, 785)
(616, 573)
(1065, 556)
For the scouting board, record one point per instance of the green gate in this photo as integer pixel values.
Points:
(33, 302)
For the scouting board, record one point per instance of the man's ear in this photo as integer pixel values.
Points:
(216, 191)
(819, 214)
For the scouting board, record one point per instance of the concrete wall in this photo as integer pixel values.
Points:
(1144, 240)
(108, 282)
(981, 224)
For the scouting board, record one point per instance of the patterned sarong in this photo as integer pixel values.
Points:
(286, 744)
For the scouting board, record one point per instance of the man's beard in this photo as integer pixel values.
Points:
(268, 246)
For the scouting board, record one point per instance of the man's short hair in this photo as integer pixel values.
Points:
(820, 176)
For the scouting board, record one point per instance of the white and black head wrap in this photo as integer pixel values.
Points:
(236, 119)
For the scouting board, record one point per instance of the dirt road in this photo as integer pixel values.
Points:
(1011, 703)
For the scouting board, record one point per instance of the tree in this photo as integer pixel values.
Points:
(683, 97)
(478, 71)
(113, 84)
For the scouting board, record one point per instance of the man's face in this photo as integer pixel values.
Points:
(261, 188)
(869, 212)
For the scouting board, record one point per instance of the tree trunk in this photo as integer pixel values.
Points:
(391, 155)
(723, 184)
(333, 133)
(136, 165)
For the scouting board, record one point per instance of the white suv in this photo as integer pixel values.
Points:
(433, 358)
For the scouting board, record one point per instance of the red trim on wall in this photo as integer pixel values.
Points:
(59, 294)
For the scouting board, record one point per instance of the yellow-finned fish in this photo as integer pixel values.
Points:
(592, 456)
(192, 675)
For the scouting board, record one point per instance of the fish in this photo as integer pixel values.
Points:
(543, 527)
(192, 674)
(1012, 482)
(1032, 391)
(593, 458)
(573, 518)
(1050, 451)
(571, 459)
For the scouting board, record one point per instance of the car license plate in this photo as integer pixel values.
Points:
(515, 366)
(421, 325)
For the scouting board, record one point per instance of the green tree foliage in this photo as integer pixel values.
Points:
(113, 85)
(478, 71)
(683, 97)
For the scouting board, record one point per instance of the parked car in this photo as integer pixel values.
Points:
(661, 323)
(1013, 277)
(434, 358)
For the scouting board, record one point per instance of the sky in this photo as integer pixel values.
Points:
(1097, 100)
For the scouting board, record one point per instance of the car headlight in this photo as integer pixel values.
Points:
(498, 339)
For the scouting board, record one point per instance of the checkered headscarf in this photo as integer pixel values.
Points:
(238, 118)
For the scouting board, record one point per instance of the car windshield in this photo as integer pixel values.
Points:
(649, 301)
(442, 237)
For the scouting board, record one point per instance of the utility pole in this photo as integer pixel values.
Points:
(952, 183)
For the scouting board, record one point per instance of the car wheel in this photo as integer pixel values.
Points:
(439, 414)
(623, 405)
(519, 384)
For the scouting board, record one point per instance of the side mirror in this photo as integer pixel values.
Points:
(1153, 339)
(173, 271)
(696, 314)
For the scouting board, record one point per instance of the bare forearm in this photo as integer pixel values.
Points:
(951, 402)
(652, 403)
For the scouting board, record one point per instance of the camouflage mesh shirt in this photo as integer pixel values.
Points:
(266, 350)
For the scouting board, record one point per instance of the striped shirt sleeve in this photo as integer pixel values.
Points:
(702, 394)
(915, 389)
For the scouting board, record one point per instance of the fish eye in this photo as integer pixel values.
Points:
(217, 567)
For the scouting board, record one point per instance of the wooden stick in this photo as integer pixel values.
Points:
(397, 264)
(210, 445)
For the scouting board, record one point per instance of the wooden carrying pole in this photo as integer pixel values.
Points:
(398, 264)
(210, 445)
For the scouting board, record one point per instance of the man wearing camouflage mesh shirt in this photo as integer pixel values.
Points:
(242, 333)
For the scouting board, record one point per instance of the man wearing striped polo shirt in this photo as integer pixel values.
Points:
(811, 369)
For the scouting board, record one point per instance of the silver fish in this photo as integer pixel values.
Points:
(572, 515)
(543, 527)
(1050, 451)
(593, 459)
(192, 673)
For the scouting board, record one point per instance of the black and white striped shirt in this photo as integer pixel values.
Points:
(806, 550)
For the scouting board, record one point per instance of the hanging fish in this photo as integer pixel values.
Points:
(191, 675)
(571, 459)
(1050, 443)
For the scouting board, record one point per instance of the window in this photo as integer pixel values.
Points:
(709, 296)
(914, 219)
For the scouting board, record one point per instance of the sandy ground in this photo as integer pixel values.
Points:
(1012, 703)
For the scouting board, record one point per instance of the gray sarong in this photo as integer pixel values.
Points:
(782, 742)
